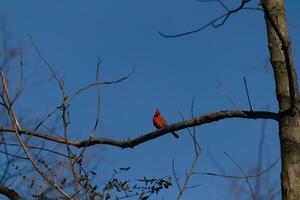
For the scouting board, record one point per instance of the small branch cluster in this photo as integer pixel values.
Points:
(218, 21)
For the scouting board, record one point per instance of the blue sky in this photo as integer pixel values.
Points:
(169, 74)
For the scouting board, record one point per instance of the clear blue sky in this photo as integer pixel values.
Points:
(169, 73)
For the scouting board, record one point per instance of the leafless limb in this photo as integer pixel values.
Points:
(219, 1)
(9, 161)
(130, 143)
(34, 147)
(218, 21)
(70, 154)
(64, 109)
(259, 173)
(242, 171)
(51, 69)
(248, 96)
(84, 88)
(9, 53)
(9, 193)
(227, 95)
(83, 150)
(260, 154)
(175, 176)
(188, 176)
(99, 60)
(240, 177)
(101, 83)
(197, 149)
(193, 132)
(193, 135)
(13, 155)
(16, 128)
(20, 88)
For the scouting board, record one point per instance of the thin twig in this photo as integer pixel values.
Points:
(248, 96)
(219, 1)
(240, 177)
(12, 155)
(188, 176)
(227, 95)
(51, 69)
(83, 150)
(99, 60)
(70, 154)
(196, 144)
(242, 171)
(71, 97)
(64, 108)
(101, 83)
(21, 83)
(260, 154)
(16, 129)
(214, 23)
(175, 176)
(197, 149)
(34, 147)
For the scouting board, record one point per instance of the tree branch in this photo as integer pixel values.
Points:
(286, 49)
(16, 128)
(214, 23)
(9, 193)
(130, 143)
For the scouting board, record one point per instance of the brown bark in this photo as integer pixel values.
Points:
(9, 193)
(287, 96)
(130, 143)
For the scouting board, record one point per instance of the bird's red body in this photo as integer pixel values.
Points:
(160, 122)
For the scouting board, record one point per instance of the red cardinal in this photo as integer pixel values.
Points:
(160, 122)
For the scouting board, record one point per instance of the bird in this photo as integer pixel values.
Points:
(160, 122)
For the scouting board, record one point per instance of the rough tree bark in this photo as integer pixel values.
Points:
(287, 96)
(286, 91)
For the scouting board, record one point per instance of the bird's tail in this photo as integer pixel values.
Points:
(175, 134)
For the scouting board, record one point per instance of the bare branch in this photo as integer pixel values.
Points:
(71, 97)
(101, 83)
(9, 193)
(16, 128)
(248, 96)
(240, 177)
(197, 149)
(34, 147)
(98, 93)
(223, 18)
(130, 143)
(175, 176)
(227, 95)
(20, 88)
(242, 171)
(13, 155)
(51, 69)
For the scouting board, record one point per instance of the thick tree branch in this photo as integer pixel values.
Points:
(130, 143)
(9, 193)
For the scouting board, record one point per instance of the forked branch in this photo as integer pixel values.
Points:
(16, 128)
(218, 21)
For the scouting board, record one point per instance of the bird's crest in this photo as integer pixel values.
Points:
(157, 112)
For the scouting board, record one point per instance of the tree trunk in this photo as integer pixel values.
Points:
(289, 123)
